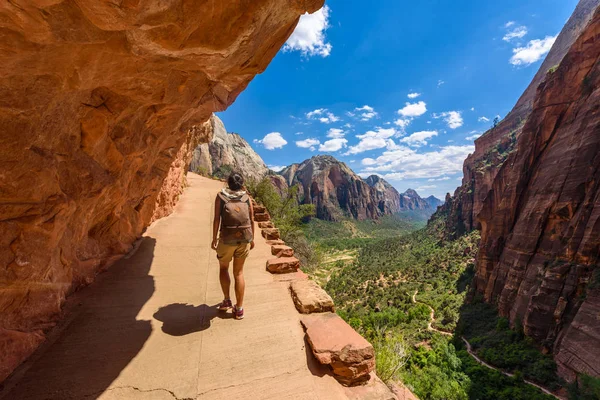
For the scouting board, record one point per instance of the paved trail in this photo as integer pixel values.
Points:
(149, 329)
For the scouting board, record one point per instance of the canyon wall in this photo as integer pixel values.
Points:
(100, 104)
(227, 149)
(492, 148)
(540, 215)
(337, 192)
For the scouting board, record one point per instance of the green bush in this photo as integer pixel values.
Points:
(288, 217)
(223, 172)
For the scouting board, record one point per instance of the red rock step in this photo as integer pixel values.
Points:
(310, 298)
(266, 225)
(259, 209)
(350, 356)
(282, 251)
(271, 234)
(262, 217)
(275, 242)
(283, 265)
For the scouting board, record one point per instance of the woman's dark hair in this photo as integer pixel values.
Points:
(235, 181)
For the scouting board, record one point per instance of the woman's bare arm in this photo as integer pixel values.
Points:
(216, 222)
(252, 223)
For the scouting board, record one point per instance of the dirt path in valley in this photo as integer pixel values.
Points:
(473, 354)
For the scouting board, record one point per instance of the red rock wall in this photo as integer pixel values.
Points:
(540, 220)
(97, 99)
(481, 167)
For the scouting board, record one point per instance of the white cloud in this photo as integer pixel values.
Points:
(472, 108)
(509, 24)
(309, 36)
(348, 126)
(333, 145)
(444, 178)
(299, 133)
(425, 188)
(452, 118)
(533, 51)
(323, 115)
(276, 168)
(440, 83)
(474, 135)
(484, 119)
(413, 109)
(413, 95)
(335, 133)
(516, 33)
(406, 163)
(402, 123)
(372, 140)
(419, 138)
(366, 112)
(329, 118)
(272, 141)
(314, 113)
(309, 143)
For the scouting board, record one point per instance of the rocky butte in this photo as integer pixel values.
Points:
(337, 191)
(101, 104)
(533, 188)
(227, 150)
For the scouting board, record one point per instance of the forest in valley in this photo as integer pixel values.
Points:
(406, 289)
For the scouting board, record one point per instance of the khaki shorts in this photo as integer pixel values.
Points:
(225, 252)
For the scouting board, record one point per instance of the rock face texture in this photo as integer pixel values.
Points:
(100, 103)
(336, 191)
(227, 149)
(539, 212)
(434, 202)
(411, 201)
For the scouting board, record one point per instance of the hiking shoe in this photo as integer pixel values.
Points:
(238, 313)
(225, 305)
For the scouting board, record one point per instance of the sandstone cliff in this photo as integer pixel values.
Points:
(337, 192)
(533, 188)
(227, 149)
(100, 104)
(492, 148)
(540, 220)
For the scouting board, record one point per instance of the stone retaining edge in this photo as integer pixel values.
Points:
(299, 275)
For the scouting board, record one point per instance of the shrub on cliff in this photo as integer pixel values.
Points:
(288, 216)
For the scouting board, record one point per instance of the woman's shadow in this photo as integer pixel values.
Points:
(182, 319)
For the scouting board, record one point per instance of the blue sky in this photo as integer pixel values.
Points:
(400, 89)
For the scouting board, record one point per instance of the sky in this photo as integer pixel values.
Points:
(393, 88)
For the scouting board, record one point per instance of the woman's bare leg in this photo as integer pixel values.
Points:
(240, 283)
(225, 279)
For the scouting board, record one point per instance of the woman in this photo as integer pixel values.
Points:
(234, 219)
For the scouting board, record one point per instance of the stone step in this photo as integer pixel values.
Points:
(259, 209)
(333, 342)
(266, 225)
(274, 242)
(262, 217)
(310, 298)
(271, 234)
(283, 265)
(280, 250)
